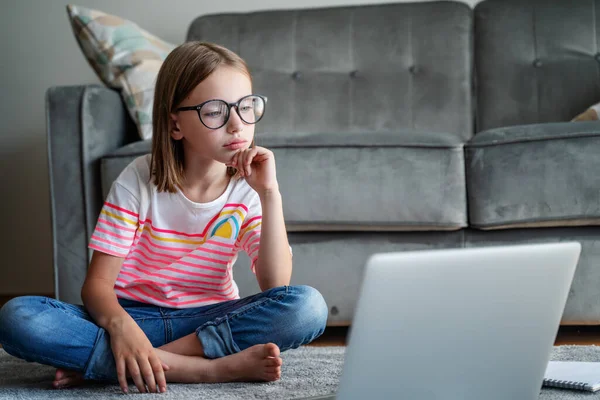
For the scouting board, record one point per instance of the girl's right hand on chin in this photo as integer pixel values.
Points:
(135, 355)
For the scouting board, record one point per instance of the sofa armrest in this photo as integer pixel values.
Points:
(83, 124)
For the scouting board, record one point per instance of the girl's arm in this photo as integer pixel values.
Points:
(274, 263)
(133, 352)
(98, 293)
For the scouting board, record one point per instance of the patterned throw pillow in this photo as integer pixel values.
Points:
(591, 114)
(124, 56)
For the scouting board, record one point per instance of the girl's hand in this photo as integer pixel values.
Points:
(257, 165)
(134, 354)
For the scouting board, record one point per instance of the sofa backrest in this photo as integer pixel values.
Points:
(358, 69)
(536, 61)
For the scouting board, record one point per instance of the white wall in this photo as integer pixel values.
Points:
(37, 51)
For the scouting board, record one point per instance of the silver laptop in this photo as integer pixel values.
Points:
(465, 324)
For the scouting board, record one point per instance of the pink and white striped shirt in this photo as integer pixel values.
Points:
(177, 253)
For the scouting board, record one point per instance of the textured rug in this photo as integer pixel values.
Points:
(307, 371)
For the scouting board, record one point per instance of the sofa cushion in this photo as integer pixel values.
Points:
(400, 181)
(378, 67)
(535, 61)
(534, 176)
(115, 162)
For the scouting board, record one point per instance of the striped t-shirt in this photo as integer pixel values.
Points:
(178, 253)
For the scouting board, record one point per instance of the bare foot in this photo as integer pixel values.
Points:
(257, 363)
(67, 378)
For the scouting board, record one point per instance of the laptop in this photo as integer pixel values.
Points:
(469, 324)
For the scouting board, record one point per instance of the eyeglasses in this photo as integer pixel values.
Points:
(215, 113)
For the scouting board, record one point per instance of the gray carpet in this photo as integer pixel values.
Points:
(307, 371)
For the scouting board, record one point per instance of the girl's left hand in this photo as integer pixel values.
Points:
(257, 165)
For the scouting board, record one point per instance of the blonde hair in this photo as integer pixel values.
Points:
(183, 69)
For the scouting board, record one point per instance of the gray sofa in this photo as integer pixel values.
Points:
(395, 127)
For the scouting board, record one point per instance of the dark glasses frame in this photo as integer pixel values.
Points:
(236, 104)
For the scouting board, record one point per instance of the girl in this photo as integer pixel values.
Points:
(160, 303)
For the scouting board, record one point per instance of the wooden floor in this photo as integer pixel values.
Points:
(581, 335)
(578, 335)
(337, 336)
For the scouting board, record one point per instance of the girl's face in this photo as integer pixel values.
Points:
(230, 85)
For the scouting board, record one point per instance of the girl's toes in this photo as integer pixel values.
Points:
(273, 362)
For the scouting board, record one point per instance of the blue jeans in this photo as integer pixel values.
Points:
(63, 335)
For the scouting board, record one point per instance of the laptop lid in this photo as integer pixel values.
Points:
(468, 324)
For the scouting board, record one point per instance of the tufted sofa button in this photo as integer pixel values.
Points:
(414, 69)
(537, 63)
(353, 74)
(297, 75)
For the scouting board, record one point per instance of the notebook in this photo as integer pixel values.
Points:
(573, 375)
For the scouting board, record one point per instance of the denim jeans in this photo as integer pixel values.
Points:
(63, 335)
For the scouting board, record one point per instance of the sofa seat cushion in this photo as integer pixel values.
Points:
(115, 162)
(534, 176)
(367, 181)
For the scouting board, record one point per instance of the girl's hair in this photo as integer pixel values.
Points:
(183, 69)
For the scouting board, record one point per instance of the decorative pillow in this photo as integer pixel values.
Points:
(124, 56)
(591, 114)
